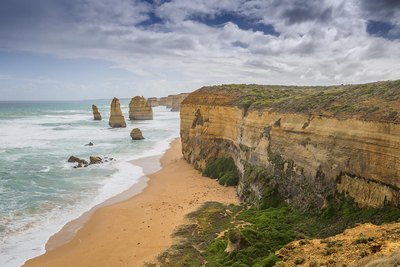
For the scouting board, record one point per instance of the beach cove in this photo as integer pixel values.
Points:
(135, 231)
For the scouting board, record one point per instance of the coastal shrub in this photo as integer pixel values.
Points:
(223, 169)
(259, 231)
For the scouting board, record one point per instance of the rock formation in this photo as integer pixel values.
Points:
(168, 101)
(307, 143)
(136, 134)
(140, 109)
(96, 113)
(74, 159)
(117, 119)
(163, 101)
(177, 100)
(153, 101)
(95, 160)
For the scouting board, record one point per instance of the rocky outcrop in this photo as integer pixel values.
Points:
(177, 100)
(364, 245)
(140, 109)
(74, 159)
(163, 101)
(153, 101)
(117, 119)
(136, 134)
(168, 101)
(96, 113)
(95, 160)
(305, 143)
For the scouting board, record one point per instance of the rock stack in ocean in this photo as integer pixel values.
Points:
(163, 101)
(116, 120)
(153, 101)
(140, 109)
(96, 113)
(136, 134)
(177, 100)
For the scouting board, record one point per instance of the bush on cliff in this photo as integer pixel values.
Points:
(223, 169)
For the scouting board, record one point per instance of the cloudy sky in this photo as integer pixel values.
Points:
(85, 49)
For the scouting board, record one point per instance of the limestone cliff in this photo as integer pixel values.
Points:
(307, 143)
(153, 101)
(177, 100)
(140, 109)
(117, 119)
(168, 101)
(96, 113)
(163, 101)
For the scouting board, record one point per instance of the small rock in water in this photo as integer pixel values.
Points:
(95, 160)
(76, 159)
(136, 134)
(90, 144)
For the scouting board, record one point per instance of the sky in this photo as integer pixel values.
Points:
(91, 49)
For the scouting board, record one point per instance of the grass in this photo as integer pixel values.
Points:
(378, 101)
(223, 169)
(253, 234)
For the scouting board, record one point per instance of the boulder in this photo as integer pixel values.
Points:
(140, 109)
(73, 159)
(95, 160)
(136, 134)
(96, 113)
(89, 144)
(116, 120)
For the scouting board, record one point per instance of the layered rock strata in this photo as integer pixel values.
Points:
(153, 101)
(306, 154)
(140, 109)
(162, 101)
(116, 119)
(177, 100)
(96, 113)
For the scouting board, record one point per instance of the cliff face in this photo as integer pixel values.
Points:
(177, 100)
(306, 156)
(140, 109)
(117, 119)
(153, 101)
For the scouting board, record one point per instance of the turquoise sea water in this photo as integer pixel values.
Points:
(40, 191)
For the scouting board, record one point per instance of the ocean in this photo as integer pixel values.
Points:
(40, 191)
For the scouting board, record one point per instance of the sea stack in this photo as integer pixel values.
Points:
(136, 134)
(140, 109)
(116, 120)
(96, 113)
(177, 100)
(153, 101)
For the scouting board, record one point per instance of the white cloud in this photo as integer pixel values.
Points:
(320, 42)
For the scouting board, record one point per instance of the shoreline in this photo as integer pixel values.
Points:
(116, 232)
(68, 231)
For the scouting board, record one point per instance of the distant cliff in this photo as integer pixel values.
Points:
(306, 143)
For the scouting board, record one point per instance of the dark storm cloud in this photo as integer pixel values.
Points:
(302, 12)
(381, 9)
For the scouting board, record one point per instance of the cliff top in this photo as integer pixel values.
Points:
(378, 101)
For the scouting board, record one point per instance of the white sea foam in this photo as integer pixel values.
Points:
(39, 140)
(30, 242)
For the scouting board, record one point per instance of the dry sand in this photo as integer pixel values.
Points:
(136, 230)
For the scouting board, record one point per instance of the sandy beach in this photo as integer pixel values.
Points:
(135, 231)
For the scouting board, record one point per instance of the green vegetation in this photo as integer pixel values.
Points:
(372, 101)
(223, 169)
(229, 235)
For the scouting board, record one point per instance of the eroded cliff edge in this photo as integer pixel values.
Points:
(305, 143)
